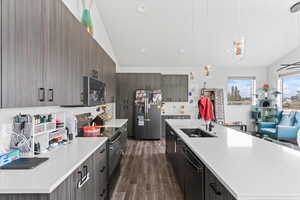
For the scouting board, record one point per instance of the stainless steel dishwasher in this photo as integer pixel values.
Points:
(194, 178)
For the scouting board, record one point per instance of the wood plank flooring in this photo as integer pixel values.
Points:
(146, 174)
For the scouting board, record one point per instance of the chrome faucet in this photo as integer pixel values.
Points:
(209, 127)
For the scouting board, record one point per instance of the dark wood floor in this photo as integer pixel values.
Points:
(146, 174)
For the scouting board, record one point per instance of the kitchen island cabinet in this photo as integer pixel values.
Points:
(164, 117)
(214, 189)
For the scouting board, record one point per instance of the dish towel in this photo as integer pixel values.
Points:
(206, 109)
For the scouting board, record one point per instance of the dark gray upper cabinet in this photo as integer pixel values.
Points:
(127, 84)
(109, 77)
(22, 71)
(71, 65)
(52, 51)
(175, 88)
(45, 53)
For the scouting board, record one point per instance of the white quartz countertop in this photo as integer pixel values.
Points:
(115, 123)
(249, 167)
(47, 176)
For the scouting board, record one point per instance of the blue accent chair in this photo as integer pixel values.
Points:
(286, 127)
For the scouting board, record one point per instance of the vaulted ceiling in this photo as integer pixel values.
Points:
(196, 32)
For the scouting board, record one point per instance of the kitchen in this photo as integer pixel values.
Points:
(145, 100)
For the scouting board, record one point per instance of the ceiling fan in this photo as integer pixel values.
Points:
(295, 7)
(295, 65)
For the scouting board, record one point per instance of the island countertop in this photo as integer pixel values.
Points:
(47, 176)
(249, 167)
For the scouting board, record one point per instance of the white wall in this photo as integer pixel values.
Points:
(6, 115)
(218, 79)
(100, 33)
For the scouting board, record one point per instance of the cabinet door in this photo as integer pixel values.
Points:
(100, 173)
(183, 85)
(89, 55)
(71, 66)
(106, 76)
(52, 50)
(155, 81)
(99, 61)
(93, 61)
(22, 50)
(86, 190)
(109, 69)
(214, 190)
(65, 190)
(166, 89)
(175, 88)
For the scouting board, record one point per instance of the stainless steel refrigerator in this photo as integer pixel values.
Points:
(147, 124)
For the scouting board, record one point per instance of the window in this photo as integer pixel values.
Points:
(291, 92)
(240, 90)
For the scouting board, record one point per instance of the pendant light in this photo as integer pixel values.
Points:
(239, 44)
(86, 18)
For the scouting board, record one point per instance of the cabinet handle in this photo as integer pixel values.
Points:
(80, 175)
(85, 168)
(81, 97)
(83, 180)
(213, 187)
(103, 193)
(103, 169)
(102, 151)
(41, 94)
(50, 95)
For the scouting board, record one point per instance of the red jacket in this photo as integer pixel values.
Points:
(206, 109)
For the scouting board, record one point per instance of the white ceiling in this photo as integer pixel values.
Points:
(197, 32)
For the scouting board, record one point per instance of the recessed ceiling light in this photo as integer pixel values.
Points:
(141, 8)
(182, 51)
(143, 50)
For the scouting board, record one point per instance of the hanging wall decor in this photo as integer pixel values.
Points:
(86, 18)
(192, 75)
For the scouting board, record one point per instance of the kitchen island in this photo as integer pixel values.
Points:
(249, 168)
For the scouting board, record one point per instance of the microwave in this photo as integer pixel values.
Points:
(93, 91)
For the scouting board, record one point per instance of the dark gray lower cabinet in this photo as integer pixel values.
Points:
(214, 190)
(164, 117)
(88, 182)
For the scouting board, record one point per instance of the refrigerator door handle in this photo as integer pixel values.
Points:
(145, 112)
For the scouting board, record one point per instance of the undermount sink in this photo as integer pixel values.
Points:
(196, 132)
